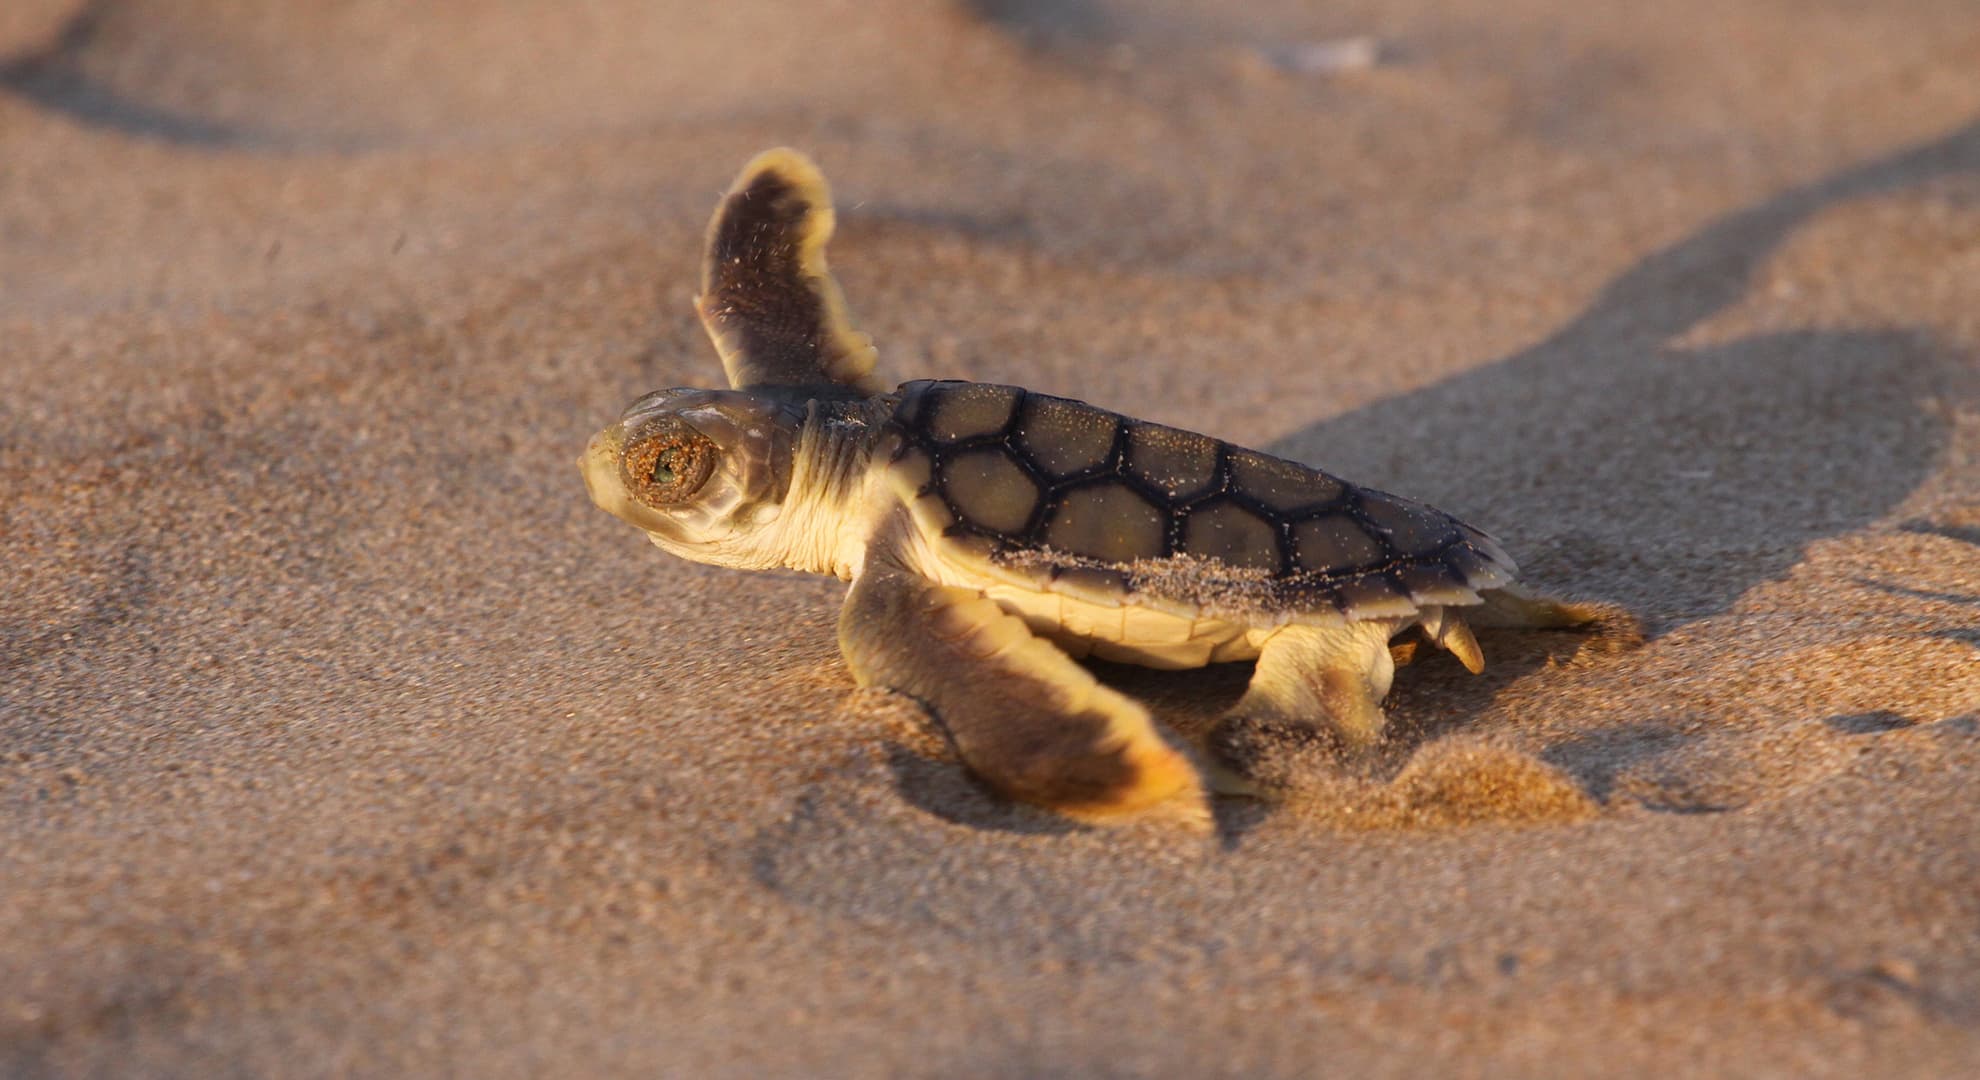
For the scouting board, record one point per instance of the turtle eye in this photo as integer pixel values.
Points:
(669, 465)
(666, 467)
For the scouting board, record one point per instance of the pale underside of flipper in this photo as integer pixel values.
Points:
(1022, 715)
(767, 298)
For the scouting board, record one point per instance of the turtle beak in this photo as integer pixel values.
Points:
(600, 465)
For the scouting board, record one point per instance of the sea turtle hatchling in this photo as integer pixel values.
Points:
(991, 534)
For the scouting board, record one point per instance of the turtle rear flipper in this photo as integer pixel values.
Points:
(1027, 719)
(1610, 625)
(767, 299)
(1331, 677)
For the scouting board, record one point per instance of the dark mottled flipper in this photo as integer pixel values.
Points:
(1025, 717)
(767, 299)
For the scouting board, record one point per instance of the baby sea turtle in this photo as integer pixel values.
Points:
(991, 534)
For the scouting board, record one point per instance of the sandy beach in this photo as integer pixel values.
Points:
(341, 735)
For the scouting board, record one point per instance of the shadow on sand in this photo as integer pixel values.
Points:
(53, 78)
(1668, 478)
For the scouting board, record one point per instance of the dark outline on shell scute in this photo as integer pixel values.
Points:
(1290, 586)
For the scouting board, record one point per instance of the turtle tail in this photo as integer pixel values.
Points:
(1447, 630)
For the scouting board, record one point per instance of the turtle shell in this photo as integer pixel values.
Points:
(1063, 495)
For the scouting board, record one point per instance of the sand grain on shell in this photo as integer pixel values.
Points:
(339, 734)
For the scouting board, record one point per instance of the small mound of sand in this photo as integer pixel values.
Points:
(1462, 782)
(1451, 782)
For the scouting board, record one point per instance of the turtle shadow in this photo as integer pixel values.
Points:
(942, 788)
(1435, 697)
(1667, 477)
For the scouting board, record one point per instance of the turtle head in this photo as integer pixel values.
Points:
(755, 476)
(703, 472)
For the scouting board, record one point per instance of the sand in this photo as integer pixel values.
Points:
(341, 735)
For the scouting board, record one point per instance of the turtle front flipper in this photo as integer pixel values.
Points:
(767, 299)
(1023, 716)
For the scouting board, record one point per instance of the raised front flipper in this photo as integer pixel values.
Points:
(1027, 719)
(767, 299)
